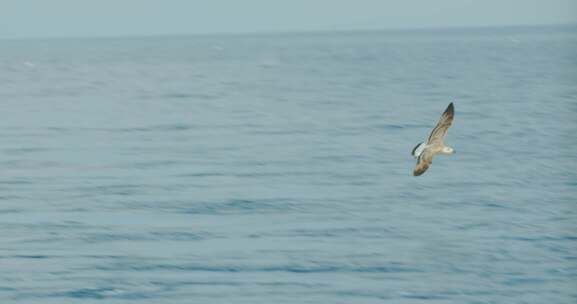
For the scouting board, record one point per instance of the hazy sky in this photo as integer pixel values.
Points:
(38, 18)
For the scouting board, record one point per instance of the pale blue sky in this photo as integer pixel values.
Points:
(38, 18)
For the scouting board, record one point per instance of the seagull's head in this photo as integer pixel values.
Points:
(448, 150)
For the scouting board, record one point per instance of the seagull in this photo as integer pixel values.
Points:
(424, 152)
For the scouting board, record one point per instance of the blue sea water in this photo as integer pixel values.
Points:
(276, 168)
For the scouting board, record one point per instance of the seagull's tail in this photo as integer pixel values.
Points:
(418, 149)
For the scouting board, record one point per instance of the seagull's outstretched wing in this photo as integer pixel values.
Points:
(440, 130)
(424, 161)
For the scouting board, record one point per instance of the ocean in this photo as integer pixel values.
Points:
(277, 168)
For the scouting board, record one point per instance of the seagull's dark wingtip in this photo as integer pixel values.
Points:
(450, 109)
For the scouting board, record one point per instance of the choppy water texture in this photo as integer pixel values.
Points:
(277, 168)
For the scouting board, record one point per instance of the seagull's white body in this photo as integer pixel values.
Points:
(425, 151)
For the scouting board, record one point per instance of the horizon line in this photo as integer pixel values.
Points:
(289, 32)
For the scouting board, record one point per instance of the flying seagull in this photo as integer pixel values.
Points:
(424, 152)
